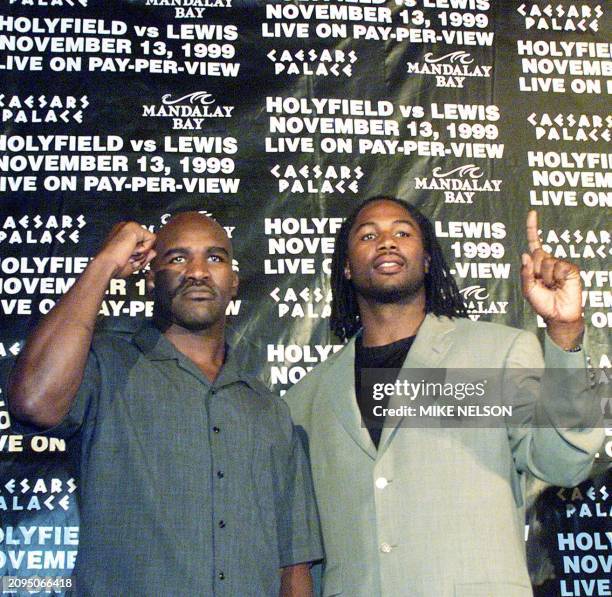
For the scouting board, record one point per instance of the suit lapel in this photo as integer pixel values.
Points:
(340, 387)
(433, 341)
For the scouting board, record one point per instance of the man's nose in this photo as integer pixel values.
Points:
(197, 268)
(386, 241)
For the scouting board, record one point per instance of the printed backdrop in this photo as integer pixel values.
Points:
(276, 119)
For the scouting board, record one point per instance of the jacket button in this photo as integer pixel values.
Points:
(381, 482)
(385, 548)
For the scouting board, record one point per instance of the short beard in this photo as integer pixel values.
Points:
(164, 315)
(393, 295)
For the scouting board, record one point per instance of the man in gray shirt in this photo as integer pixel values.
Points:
(192, 478)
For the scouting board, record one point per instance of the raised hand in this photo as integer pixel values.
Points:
(50, 368)
(129, 247)
(553, 289)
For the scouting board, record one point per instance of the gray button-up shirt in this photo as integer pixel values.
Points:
(187, 487)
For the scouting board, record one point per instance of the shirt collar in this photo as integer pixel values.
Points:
(156, 347)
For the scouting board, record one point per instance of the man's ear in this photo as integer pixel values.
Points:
(347, 271)
(426, 263)
(235, 284)
(150, 280)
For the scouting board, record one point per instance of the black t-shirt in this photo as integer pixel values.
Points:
(389, 356)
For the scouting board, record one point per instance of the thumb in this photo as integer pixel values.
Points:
(528, 281)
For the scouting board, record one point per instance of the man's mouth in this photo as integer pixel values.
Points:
(203, 293)
(388, 264)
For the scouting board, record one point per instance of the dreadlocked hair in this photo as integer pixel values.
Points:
(442, 295)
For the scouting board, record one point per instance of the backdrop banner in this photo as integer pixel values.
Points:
(277, 118)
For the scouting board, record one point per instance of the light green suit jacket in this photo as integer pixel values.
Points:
(438, 512)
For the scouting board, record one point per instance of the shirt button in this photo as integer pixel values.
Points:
(221, 576)
(381, 482)
(221, 524)
(220, 474)
(385, 548)
(216, 429)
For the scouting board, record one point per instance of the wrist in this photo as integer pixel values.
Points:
(566, 335)
(105, 265)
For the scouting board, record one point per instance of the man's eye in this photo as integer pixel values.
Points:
(178, 259)
(368, 236)
(215, 258)
(402, 233)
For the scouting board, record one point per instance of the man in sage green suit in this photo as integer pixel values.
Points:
(433, 510)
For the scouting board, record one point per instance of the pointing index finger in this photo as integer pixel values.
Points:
(533, 239)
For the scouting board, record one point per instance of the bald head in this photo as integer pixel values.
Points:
(187, 224)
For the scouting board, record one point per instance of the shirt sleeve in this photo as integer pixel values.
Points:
(298, 530)
(559, 427)
(86, 400)
(81, 408)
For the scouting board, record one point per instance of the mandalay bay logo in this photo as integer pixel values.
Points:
(189, 9)
(188, 112)
(450, 70)
(478, 302)
(459, 184)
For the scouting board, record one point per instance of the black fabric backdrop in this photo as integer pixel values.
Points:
(276, 119)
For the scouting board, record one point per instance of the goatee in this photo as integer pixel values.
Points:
(391, 295)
